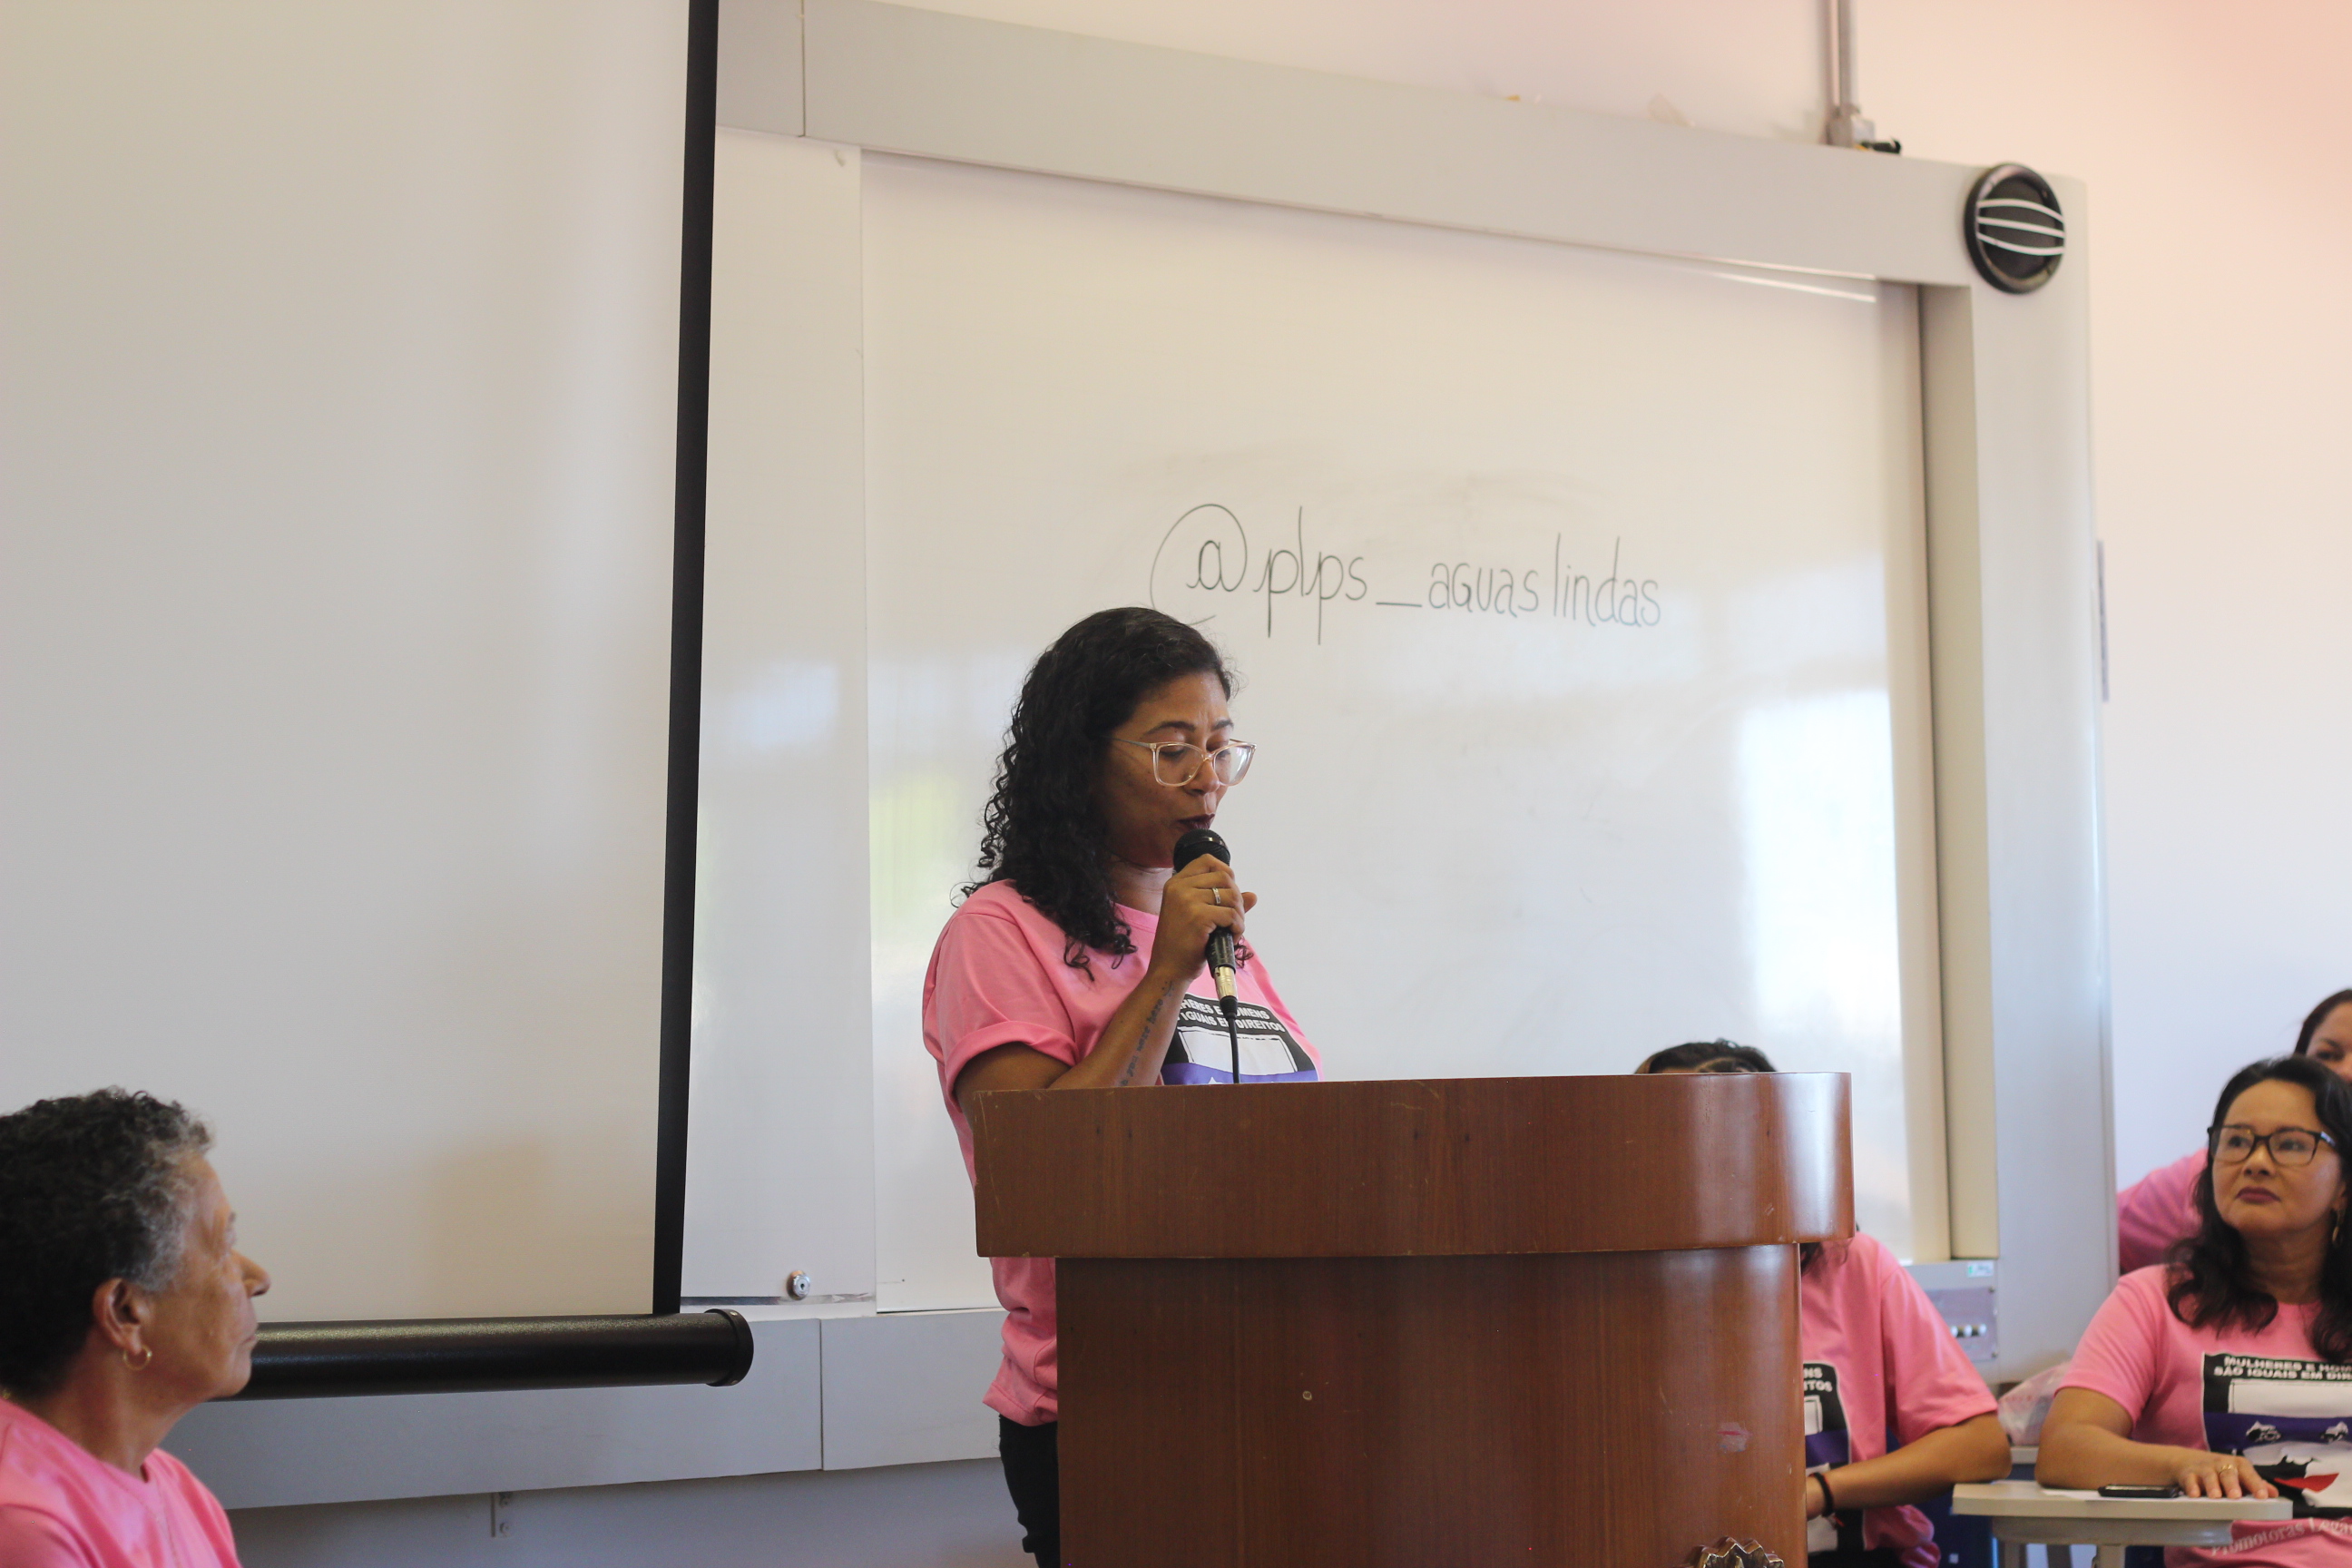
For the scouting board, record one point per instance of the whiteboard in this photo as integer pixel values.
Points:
(341, 347)
(1576, 596)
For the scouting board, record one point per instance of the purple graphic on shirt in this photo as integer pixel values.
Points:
(2292, 1419)
(1827, 1444)
(1201, 1051)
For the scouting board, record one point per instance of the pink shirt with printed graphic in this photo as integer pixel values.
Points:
(1877, 1356)
(2264, 1393)
(998, 978)
(61, 1506)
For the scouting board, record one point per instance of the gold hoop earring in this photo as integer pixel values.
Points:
(141, 1364)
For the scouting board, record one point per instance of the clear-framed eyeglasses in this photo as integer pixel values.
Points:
(1178, 763)
(2234, 1144)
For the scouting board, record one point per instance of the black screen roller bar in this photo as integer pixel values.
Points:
(459, 1355)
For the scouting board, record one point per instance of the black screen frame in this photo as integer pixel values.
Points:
(686, 652)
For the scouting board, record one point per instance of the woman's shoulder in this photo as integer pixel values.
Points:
(166, 1470)
(1867, 1251)
(999, 906)
(1859, 1259)
(49, 1482)
(994, 925)
(1000, 900)
(33, 1455)
(2143, 1296)
(1853, 1280)
(1870, 1271)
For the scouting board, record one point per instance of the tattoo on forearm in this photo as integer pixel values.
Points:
(1134, 1062)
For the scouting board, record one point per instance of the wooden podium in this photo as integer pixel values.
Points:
(1440, 1324)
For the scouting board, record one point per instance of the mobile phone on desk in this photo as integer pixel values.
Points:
(2164, 1491)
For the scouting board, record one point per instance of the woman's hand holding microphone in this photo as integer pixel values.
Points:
(1197, 901)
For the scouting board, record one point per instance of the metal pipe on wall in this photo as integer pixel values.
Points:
(1846, 127)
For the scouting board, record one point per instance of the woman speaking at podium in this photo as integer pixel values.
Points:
(1075, 961)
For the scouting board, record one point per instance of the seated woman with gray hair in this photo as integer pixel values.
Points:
(124, 1304)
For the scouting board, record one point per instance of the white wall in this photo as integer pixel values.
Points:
(2217, 143)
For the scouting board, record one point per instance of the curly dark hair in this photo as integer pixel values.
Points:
(92, 1188)
(2209, 1287)
(1043, 829)
(2317, 1016)
(1707, 1055)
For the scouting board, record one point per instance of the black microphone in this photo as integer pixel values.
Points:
(1202, 841)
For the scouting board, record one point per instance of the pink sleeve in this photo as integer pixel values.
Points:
(1931, 1382)
(32, 1539)
(2122, 1351)
(986, 991)
(2155, 1212)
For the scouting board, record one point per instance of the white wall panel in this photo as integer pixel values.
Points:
(781, 1155)
(904, 1388)
(914, 1516)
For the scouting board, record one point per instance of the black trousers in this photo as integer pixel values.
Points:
(1032, 1474)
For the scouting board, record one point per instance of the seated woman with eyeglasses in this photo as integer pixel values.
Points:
(1075, 961)
(1878, 1359)
(124, 1304)
(2228, 1371)
(2160, 1208)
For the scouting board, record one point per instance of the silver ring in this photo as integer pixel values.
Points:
(1217, 895)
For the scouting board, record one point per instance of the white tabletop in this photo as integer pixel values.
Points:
(2022, 1510)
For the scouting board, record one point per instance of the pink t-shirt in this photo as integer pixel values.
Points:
(997, 978)
(63, 1507)
(2156, 1211)
(1877, 1356)
(2266, 1396)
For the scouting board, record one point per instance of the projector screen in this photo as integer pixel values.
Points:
(338, 450)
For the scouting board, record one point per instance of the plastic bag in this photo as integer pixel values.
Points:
(2026, 1407)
